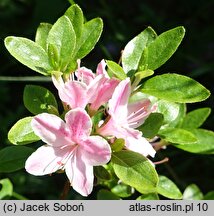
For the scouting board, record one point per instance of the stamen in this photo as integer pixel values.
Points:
(166, 159)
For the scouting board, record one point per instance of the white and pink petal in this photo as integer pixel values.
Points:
(46, 160)
(51, 129)
(79, 124)
(95, 150)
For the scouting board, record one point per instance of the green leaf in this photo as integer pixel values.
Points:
(118, 145)
(42, 34)
(169, 110)
(181, 115)
(177, 135)
(133, 51)
(192, 192)
(28, 53)
(7, 188)
(90, 35)
(150, 196)
(75, 14)
(135, 170)
(204, 144)
(122, 190)
(143, 74)
(116, 70)
(13, 158)
(168, 188)
(175, 88)
(209, 196)
(61, 43)
(38, 99)
(22, 133)
(163, 47)
(195, 118)
(106, 195)
(151, 125)
(101, 173)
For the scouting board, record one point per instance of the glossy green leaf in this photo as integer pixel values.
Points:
(175, 88)
(135, 170)
(118, 145)
(168, 188)
(169, 110)
(28, 53)
(195, 118)
(7, 188)
(13, 158)
(90, 35)
(106, 195)
(150, 196)
(192, 192)
(22, 133)
(101, 173)
(181, 115)
(122, 190)
(177, 135)
(209, 196)
(116, 70)
(204, 144)
(143, 74)
(75, 14)
(61, 43)
(42, 34)
(151, 125)
(133, 51)
(163, 47)
(38, 99)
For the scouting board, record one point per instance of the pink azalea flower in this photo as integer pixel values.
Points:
(72, 93)
(70, 147)
(100, 85)
(124, 117)
(89, 88)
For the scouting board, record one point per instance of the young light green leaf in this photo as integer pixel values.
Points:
(38, 99)
(118, 145)
(28, 53)
(204, 144)
(106, 195)
(101, 173)
(175, 88)
(133, 51)
(116, 70)
(135, 170)
(122, 190)
(168, 188)
(192, 192)
(75, 14)
(163, 47)
(150, 196)
(143, 74)
(42, 34)
(7, 188)
(22, 133)
(90, 35)
(151, 125)
(13, 158)
(177, 135)
(169, 110)
(195, 118)
(61, 42)
(181, 115)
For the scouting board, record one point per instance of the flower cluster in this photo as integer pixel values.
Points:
(76, 144)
